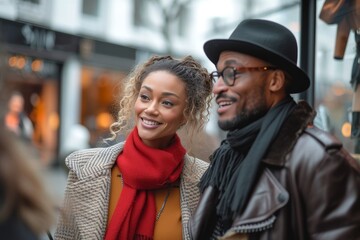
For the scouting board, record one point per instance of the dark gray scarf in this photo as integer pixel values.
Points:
(235, 164)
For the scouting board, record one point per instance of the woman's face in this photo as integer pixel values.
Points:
(159, 108)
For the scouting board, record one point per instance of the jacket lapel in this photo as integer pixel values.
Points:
(89, 193)
(189, 189)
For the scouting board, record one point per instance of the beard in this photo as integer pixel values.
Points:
(246, 116)
(255, 108)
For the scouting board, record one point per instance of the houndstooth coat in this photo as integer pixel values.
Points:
(85, 209)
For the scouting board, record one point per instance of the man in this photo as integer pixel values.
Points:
(275, 176)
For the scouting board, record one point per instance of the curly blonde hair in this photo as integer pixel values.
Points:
(198, 91)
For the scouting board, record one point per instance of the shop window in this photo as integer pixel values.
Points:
(141, 10)
(31, 1)
(99, 101)
(337, 95)
(37, 80)
(93, 17)
(90, 7)
(37, 11)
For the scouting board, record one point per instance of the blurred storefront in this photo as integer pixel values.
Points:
(65, 80)
(74, 79)
(32, 59)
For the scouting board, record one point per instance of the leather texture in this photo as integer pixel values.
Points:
(309, 188)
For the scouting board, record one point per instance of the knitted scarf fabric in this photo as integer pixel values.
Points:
(143, 169)
(235, 164)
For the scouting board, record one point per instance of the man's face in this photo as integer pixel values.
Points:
(247, 99)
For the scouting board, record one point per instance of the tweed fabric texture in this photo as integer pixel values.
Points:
(86, 202)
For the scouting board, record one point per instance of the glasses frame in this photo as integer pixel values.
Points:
(237, 70)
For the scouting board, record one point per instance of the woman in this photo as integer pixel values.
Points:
(147, 186)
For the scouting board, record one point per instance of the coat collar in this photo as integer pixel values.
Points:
(299, 119)
(100, 160)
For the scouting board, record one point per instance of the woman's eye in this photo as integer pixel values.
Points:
(144, 97)
(168, 103)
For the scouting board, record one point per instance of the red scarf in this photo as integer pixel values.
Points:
(143, 168)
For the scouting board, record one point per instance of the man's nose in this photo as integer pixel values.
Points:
(219, 86)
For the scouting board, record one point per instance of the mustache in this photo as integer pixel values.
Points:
(224, 95)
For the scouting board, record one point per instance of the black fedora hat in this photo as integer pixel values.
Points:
(265, 40)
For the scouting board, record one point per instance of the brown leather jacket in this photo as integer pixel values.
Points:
(309, 189)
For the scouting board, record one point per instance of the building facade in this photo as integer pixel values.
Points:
(68, 57)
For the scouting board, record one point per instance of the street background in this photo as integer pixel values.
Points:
(68, 58)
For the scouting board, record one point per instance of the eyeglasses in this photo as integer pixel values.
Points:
(229, 73)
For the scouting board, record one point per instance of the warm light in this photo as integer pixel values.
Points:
(37, 65)
(103, 120)
(12, 61)
(86, 76)
(338, 90)
(54, 121)
(346, 129)
(20, 63)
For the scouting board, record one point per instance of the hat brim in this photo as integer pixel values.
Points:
(300, 80)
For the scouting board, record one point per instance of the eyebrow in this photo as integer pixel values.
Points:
(231, 61)
(164, 93)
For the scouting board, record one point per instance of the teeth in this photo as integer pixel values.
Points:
(223, 104)
(148, 122)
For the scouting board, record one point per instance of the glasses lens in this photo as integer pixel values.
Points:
(229, 76)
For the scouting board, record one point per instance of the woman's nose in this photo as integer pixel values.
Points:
(152, 108)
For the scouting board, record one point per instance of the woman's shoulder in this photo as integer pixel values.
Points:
(79, 158)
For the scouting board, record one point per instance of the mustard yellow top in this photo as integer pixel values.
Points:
(169, 224)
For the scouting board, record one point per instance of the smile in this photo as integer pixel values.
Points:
(224, 104)
(150, 122)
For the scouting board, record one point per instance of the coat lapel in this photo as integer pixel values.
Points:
(189, 189)
(89, 193)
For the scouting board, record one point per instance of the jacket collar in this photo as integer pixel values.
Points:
(299, 119)
(101, 160)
